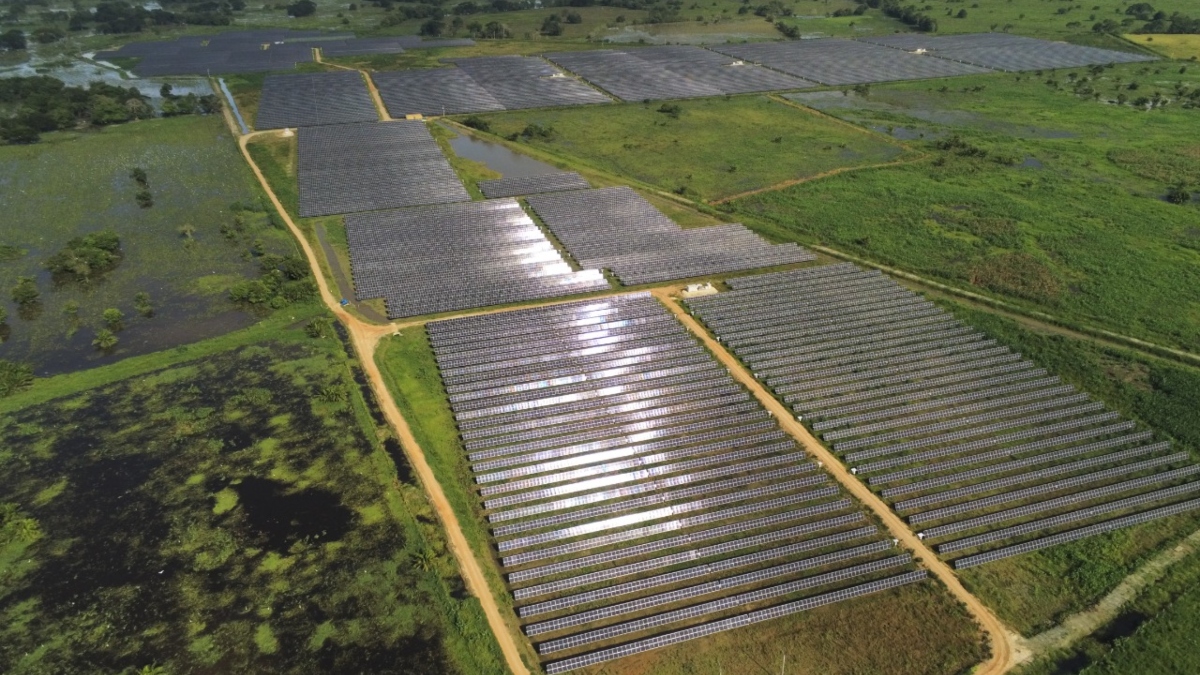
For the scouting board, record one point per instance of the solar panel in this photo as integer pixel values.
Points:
(314, 99)
(904, 392)
(346, 168)
(1074, 535)
(529, 185)
(833, 61)
(731, 623)
(1007, 52)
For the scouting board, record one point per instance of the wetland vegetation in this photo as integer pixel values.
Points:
(237, 512)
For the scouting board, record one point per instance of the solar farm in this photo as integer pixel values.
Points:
(986, 455)
(347, 168)
(1009, 53)
(314, 99)
(458, 256)
(639, 497)
(617, 229)
(482, 84)
(256, 51)
(672, 72)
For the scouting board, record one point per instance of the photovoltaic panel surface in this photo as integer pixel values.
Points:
(617, 229)
(346, 168)
(314, 99)
(1002, 51)
(983, 452)
(458, 256)
(617, 521)
(254, 51)
(839, 62)
(672, 72)
(529, 185)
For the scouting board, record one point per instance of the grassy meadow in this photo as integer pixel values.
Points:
(237, 512)
(1032, 192)
(1182, 47)
(934, 636)
(77, 183)
(708, 149)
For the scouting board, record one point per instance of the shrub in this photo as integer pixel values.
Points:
(105, 340)
(477, 122)
(141, 302)
(14, 377)
(25, 293)
(114, 318)
(302, 8)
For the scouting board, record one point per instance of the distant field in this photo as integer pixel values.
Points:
(712, 148)
(1173, 46)
(1046, 197)
(75, 183)
(237, 510)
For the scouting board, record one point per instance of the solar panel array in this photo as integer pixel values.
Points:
(482, 84)
(616, 228)
(230, 52)
(256, 51)
(672, 72)
(983, 452)
(529, 185)
(632, 487)
(386, 45)
(346, 168)
(314, 99)
(839, 62)
(458, 256)
(1001, 51)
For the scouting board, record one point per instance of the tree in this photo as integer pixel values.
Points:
(11, 40)
(104, 340)
(552, 25)
(433, 27)
(962, 14)
(302, 8)
(165, 90)
(139, 174)
(25, 293)
(114, 318)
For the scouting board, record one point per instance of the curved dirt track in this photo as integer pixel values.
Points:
(1001, 659)
(365, 337)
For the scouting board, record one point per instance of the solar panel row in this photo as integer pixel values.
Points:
(482, 84)
(346, 168)
(617, 229)
(1002, 51)
(314, 99)
(529, 185)
(653, 73)
(256, 51)
(599, 517)
(973, 438)
(457, 256)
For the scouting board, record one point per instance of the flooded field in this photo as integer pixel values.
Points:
(180, 250)
(237, 514)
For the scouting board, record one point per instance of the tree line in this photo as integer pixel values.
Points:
(1155, 21)
(41, 103)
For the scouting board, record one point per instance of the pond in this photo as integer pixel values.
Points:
(79, 72)
(499, 158)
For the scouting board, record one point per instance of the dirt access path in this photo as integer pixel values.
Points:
(365, 338)
(1002, 639)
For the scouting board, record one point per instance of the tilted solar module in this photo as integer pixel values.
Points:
(314, 99)
(602, 505)
(973, 438)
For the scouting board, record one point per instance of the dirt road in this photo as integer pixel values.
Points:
(1001, 659)
(365, 337)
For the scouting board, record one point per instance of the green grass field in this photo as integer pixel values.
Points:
(695, 153)
(235, 512)
(1047, 198)
(75, 183)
